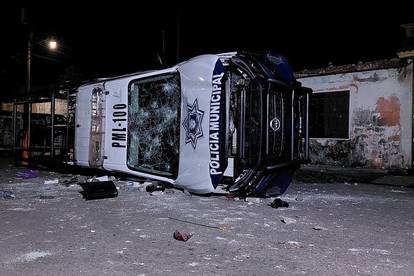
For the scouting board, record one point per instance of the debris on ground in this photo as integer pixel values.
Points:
(253, 199)
(144, 185)
(398, 191)
(72, 180)
(52, 181)
(319, 228)
(6, 194)
(135, 185)
(182, 236)
(187, 193)
(128, 185)
(26, 174)
(299, 197)
(287, 220)
(46, 197)
(294, 245)
(99, 190)
(101, 178)
(156, 186)
(231, 196)
(279, 203)
(156, 193)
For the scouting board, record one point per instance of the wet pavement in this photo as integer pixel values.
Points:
(328, 229)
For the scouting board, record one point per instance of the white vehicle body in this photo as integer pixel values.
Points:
(109, 134)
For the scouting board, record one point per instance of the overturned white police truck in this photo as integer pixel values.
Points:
(238, 119)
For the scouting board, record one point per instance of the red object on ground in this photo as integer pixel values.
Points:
(182, 236)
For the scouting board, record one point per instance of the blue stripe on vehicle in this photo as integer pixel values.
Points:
(216, 126)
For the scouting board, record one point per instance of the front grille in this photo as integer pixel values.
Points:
(275, 124)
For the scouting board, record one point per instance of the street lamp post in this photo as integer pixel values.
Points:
(29, 61)
(51, 44)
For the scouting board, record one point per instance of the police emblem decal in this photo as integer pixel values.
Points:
(192, 124)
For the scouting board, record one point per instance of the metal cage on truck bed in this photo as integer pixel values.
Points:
(43, 127)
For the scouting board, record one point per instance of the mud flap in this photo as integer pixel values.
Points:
(98, 190)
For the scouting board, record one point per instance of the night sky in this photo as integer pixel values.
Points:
(110, 41)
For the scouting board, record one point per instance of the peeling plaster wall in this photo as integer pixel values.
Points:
(379, 119)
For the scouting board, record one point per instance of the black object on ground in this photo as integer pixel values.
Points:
(98, 190)
(319, 228)
(155, 187)
(182, 236)
(72, 180)
(279, 203)
(46, 197)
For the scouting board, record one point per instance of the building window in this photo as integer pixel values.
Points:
(329, 115)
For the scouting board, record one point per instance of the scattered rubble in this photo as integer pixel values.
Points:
(129, 185)
(52, 181)
(135, 185)
(101, 178)
(294, 245)
(70, 181)
(253, 199)
(156, 186)
(156, 193)
(299, 197)
(32, 256)
(46, 197)
(6, 195)
(287, 220)
(187, 193)
(319, 228)
(398, 191)
(26, 174)
(231, 196)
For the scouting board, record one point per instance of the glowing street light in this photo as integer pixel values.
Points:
(52, 44)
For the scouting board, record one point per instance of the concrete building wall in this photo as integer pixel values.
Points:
(380, 119)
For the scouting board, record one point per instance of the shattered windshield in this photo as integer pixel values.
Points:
(154, 125)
